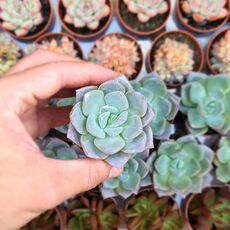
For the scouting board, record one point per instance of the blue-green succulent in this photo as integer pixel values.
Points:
(205, 101)
(111, 122)
(164, 104)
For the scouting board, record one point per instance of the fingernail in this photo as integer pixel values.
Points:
(114, 172)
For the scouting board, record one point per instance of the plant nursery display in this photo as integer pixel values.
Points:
(203, 16)
(173, 55)
(147, 211)
(205, 102)
(10, 53)
(143, 17)
(91, 212)
(118, 52)
(218, 53)
(25, 19)
(209, 210)
(86, 18)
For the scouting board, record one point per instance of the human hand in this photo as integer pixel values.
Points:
(30, 183)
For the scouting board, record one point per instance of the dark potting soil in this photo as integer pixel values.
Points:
(133, 22)
(207, 26)
(84, 30)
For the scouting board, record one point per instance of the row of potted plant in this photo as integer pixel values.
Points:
(28, 20)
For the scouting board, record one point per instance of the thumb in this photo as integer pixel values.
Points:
(76, 176)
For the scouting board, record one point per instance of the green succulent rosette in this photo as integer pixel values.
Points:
(205, 101)
(111, 122)
(181, 167)
(134, 176)
(222, 160)
(164, 104)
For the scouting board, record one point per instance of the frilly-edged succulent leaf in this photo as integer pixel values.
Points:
(180, 167)
(111, 122)
(134, 176)
(58, 149)
(164, 104)
(222, 160)
(205, 101)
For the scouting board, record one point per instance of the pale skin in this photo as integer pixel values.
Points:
(30, 183)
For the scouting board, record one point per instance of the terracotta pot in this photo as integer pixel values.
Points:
(85, 33)
(139, 65)
(133, 19)
(49, 36)
(182, 17)
(215, 38)
(198, 55)
(41, 29)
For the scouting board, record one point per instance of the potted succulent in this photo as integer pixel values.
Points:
(90, 212)
(85, 19)
(143, 17)
(181, 167)
(209, 210)
(173, 55)
(147, 211)
(218, 53)
(203, 16)
(205, 102)
(60, 43)
(119, 52)
(26, 19)
(10, 53)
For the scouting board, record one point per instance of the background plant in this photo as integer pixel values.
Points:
(20, 16)
(205, 101)
(164, 104)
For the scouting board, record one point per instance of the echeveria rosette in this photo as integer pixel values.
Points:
(134, 176)
(111, 122)
(222, 160)
(205, 101)
(164, 104)
(181, 167)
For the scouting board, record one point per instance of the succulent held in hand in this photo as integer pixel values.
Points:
(91, 212)
(206, 10)
(147, 9)
(173, 60)
(164, 104)
(147, 211)
(134, 176)
(10, 53)
(180, 167)
(20, 16)
(116, 53)
(221, 55)
(111, 122)
(222, 160)
(205, 100)
(85, 13)
(210, 210)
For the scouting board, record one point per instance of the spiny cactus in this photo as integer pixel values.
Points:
(222, 160)
(147, 9)
(164, 104)
(147, 211)
(173, 60)
(111, 122)
(181, 167)
(85, 13)
(205, 101)
(134, 176)
(205, 10)
(211, 209)
(20, 16)
(221, 55)
(10, 53)
(118, 54)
